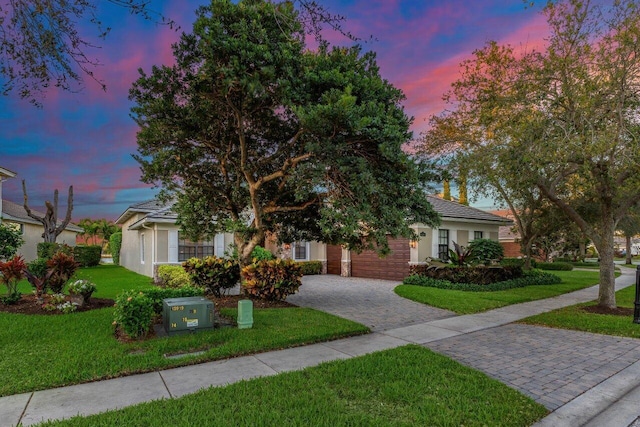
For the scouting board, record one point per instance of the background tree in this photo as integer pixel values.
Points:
(89, 230)
(44, 43)
(252, 132)
(52, 228)
(567, 114)
(629, 225)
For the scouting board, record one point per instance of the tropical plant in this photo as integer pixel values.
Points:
(213, 274)
(60, 269)
(272, 280)
(486, 251)
(11, 272)
(461, 255)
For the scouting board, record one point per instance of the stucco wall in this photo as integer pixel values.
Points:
(32, 235)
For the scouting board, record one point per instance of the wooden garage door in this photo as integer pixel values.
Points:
(394, 266)
(334, 259)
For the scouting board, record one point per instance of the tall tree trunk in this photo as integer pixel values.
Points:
(604, 245)
(628, 254)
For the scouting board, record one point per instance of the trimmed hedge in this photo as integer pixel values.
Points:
(156, 295)
(530, 278)
(87, 255)
(47, 250)
(557, 266)
(172, 276)
(516, 261)
(309, 268)
(479, 275)
(115, 243)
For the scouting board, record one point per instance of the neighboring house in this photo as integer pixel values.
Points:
(509, 236)
(4, 175)
(459, 223)
(150, 237)
(13, 213)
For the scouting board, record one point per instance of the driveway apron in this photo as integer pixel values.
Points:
(553, 366)
(371, 302)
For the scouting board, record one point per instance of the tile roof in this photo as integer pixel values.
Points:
(15, 212)
(450, 209)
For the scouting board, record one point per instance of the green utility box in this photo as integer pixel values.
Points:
(189, 314)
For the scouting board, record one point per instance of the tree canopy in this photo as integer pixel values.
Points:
(250, 131)
(563, 119)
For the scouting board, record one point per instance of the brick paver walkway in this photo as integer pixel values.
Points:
(368, 301)
(553, 366)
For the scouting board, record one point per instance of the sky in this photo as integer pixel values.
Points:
(87, 138)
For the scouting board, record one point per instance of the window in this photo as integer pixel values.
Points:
(188, 249)
(443, 244)
(300, 251)
(477, 235)
(142, 248)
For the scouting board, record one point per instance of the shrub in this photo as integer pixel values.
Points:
(11, 272)
(486, 250)
(38, 267)
(529, 278)
(156, 295)
(557, 266)
(272, 280)
(172, 276)
(10, 241)
(213, 273)
(115, 242)
(47, 250)
(479, 275)
(516, 261)
(133, 313)
(261, 254)
(87, 256)
(310, 267)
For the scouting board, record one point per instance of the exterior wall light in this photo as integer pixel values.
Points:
(413, 244)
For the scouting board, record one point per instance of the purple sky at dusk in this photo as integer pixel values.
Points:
(86, 139)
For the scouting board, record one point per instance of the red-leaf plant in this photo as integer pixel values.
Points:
(11, 272)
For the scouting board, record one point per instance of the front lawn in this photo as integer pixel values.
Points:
(40, 352)
(407, 386)
(464, 302)
(575, 318)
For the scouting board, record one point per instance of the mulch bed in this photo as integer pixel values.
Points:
(619, 311)
(28, 305)
(231, 301)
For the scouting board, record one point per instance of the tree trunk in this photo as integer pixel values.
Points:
(245, 248)
(607, 289)
(583, 250)
(628, 254)
(526, 248)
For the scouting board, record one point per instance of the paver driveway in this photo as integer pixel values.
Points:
(368, 301)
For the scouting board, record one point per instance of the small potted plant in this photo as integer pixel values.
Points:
(82, 288)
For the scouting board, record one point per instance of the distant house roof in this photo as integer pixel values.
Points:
(6, 173)
(14, 212)
(158, 212)
(453, 210)
(154, 210)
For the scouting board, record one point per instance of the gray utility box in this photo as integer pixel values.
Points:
(188, 314)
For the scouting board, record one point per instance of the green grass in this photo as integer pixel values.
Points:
(575, 318)
(111, 280)
(407, 386)
(463, 302)
(40, 352)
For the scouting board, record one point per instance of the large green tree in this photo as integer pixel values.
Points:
(251, 131)
(567, 115)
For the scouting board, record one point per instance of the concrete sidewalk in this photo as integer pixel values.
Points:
(612, 401)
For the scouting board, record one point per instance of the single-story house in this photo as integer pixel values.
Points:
(15, 214)
(150, 237)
